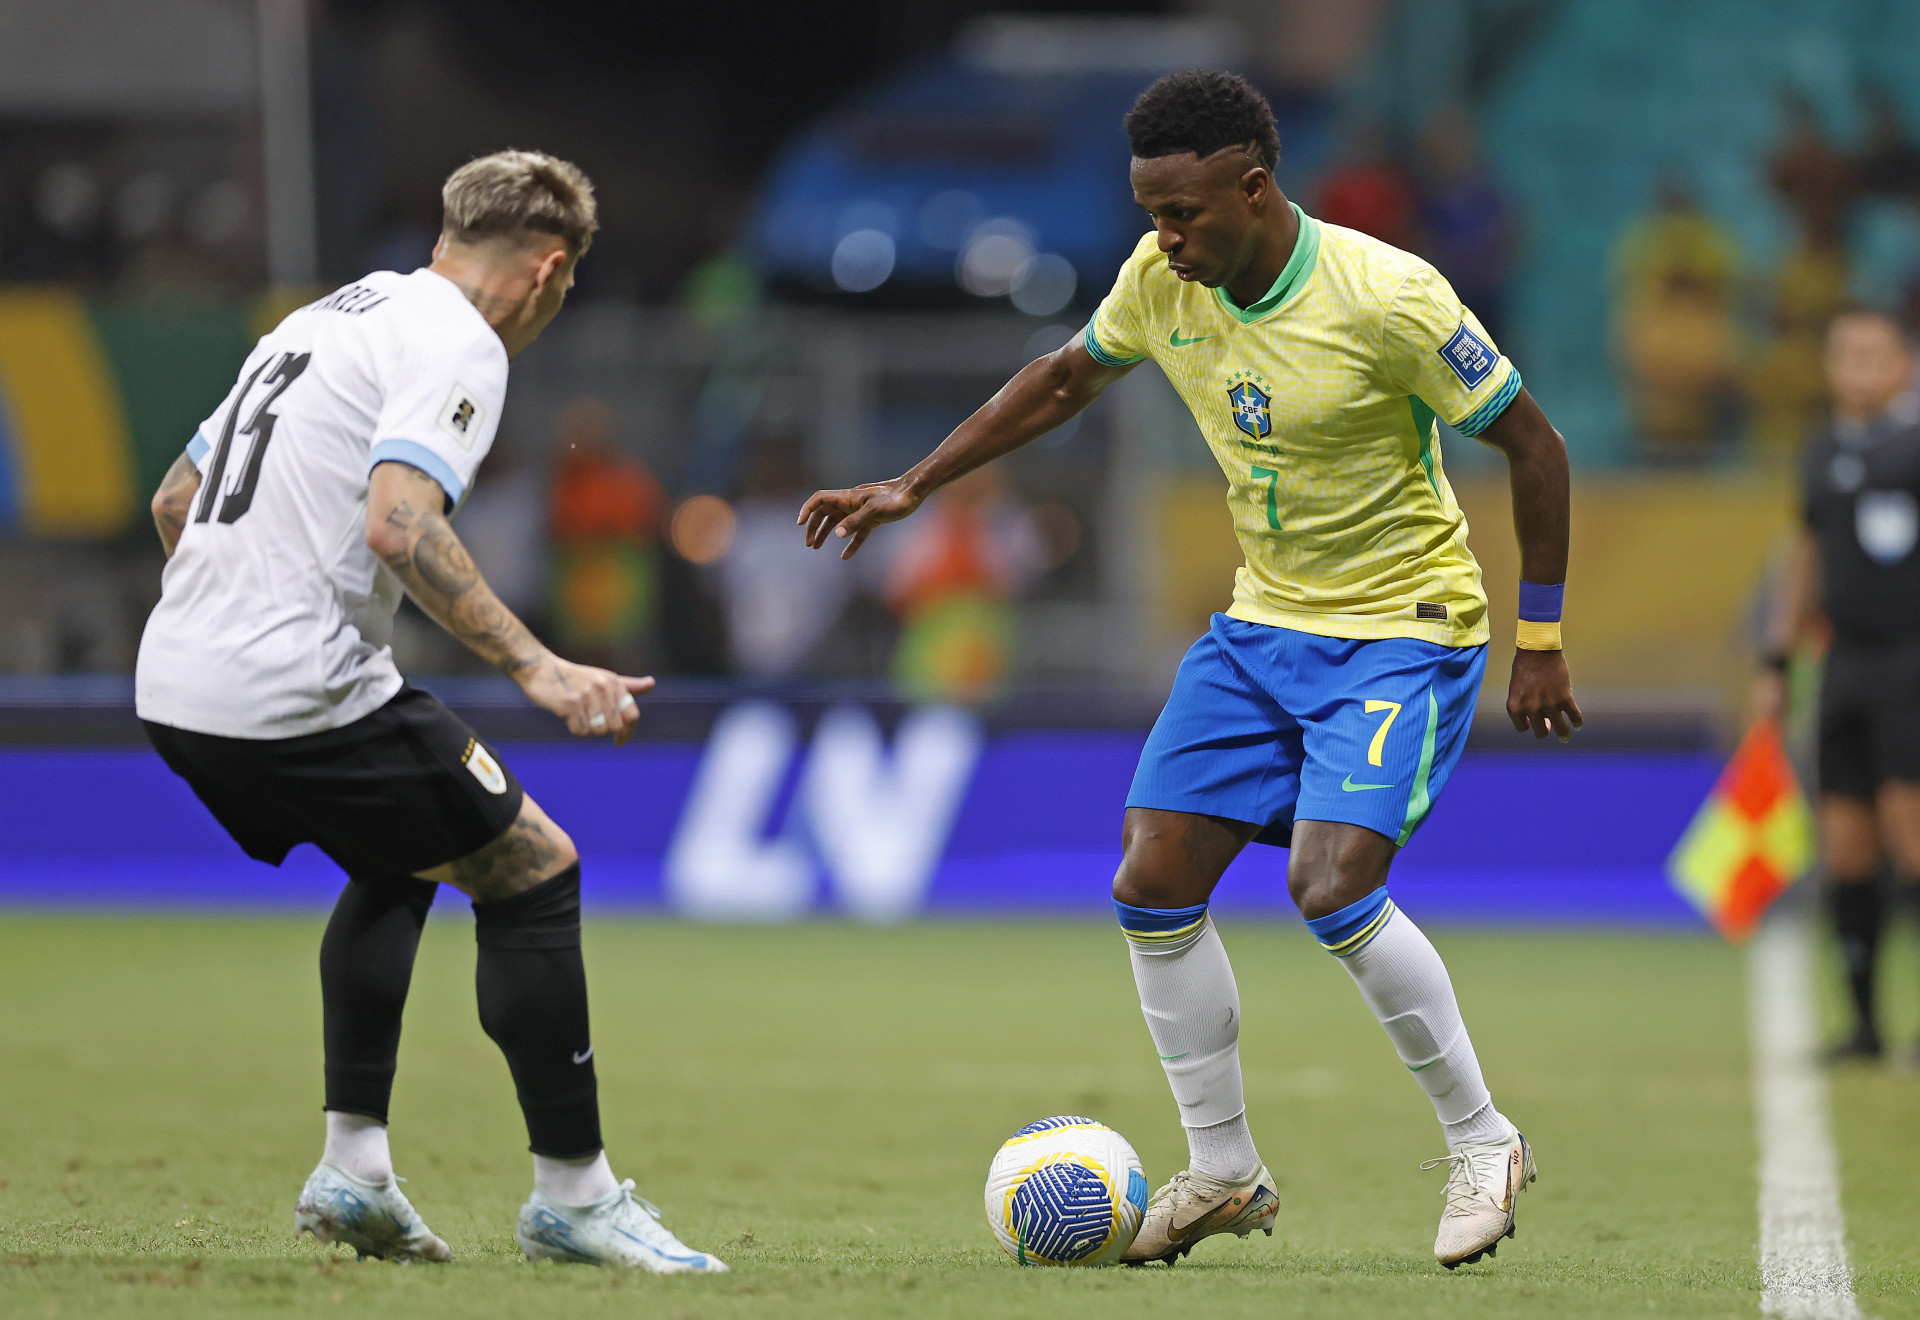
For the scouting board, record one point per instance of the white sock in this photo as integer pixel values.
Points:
(1192, 1007)
(1482, 1127)
(1223, 1152)
(358, 1145)
(1403, 981)
(574, 1182)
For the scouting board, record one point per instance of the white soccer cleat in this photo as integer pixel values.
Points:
(1193, 1206)
(623, 1229)
(375, 1219)
(1483, 1185)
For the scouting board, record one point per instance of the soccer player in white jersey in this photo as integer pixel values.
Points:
(318, 491)
(1324, 711)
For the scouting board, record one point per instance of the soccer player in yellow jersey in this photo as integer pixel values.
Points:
(1325, 710)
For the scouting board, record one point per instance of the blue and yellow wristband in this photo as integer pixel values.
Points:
(1540, 616)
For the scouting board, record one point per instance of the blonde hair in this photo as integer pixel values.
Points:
(511, 194)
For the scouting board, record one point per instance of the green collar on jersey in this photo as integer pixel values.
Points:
(1293, 276)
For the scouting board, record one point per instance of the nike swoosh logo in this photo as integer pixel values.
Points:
(1178, 342)
(584, 1055)
(1348, 786)
(1177, 1233)
(1169, 1058)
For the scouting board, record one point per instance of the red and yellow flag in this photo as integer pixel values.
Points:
(1752, 838)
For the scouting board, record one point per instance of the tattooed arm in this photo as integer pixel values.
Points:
(173, 501)
(407, 527)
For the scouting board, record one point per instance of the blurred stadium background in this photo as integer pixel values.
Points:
(829, 236)
(831, 230)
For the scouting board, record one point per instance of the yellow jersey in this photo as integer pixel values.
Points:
(1318, 402)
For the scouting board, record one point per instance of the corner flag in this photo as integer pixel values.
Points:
(1752, 838)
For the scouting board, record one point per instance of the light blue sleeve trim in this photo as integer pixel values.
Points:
(415, 454)
(1487, 413)
(1100, 355)
(198, 449)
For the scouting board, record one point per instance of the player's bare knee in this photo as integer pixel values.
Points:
(1140, 883)
(1171, 859)
(1313, 891)
(564, 855)
(1322, 893)
(1333, 865)
(1141, 887)
(528, 852)
(559, 843)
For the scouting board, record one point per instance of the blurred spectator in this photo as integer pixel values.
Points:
(56, 228)
(604, 516)
(1675, 335)
(1367, 190)
(957, 565)
(1789, 386)
(503, 524)
(1682, 359)
(1889, 167)
(1815, 179)
(1678, 236)
(1467, 224)
(1889, 164)
(780, 599)
(722, 291)
(1817, 183)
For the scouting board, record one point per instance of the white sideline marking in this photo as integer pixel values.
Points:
(1804, 1273)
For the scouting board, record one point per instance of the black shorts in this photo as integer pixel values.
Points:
(403, 789)
(1869, 718)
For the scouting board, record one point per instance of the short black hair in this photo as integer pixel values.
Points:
(1203, 112)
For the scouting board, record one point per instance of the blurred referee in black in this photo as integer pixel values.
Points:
(1856, 579)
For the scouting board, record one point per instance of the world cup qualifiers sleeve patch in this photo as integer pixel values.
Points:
(1471, 357)
(461, 416)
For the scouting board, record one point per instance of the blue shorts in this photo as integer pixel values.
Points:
(1269, 726)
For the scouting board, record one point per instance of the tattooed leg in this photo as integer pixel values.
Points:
(531, 982)
(531, 850)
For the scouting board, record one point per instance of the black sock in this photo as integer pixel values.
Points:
(1858, 916)
(532, 986)
(366, 965)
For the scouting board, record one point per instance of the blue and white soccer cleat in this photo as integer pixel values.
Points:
(1483, 1186)
(623, 1229)
(375, 1219)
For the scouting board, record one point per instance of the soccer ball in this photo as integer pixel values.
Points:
(1066, 1191)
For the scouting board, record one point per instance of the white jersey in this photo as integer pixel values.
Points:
(275, 618)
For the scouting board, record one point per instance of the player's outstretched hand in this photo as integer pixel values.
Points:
(592, 701)
(853, 514)
(1540, 698)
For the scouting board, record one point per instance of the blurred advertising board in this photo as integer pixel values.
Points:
(782, 812)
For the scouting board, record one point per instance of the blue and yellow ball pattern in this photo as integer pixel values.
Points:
(1066, 1191)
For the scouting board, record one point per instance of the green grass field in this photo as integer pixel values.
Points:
(818, 1104)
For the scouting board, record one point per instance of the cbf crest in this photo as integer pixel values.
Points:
(1252, 406)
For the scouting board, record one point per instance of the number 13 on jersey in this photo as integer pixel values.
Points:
(235, 502)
